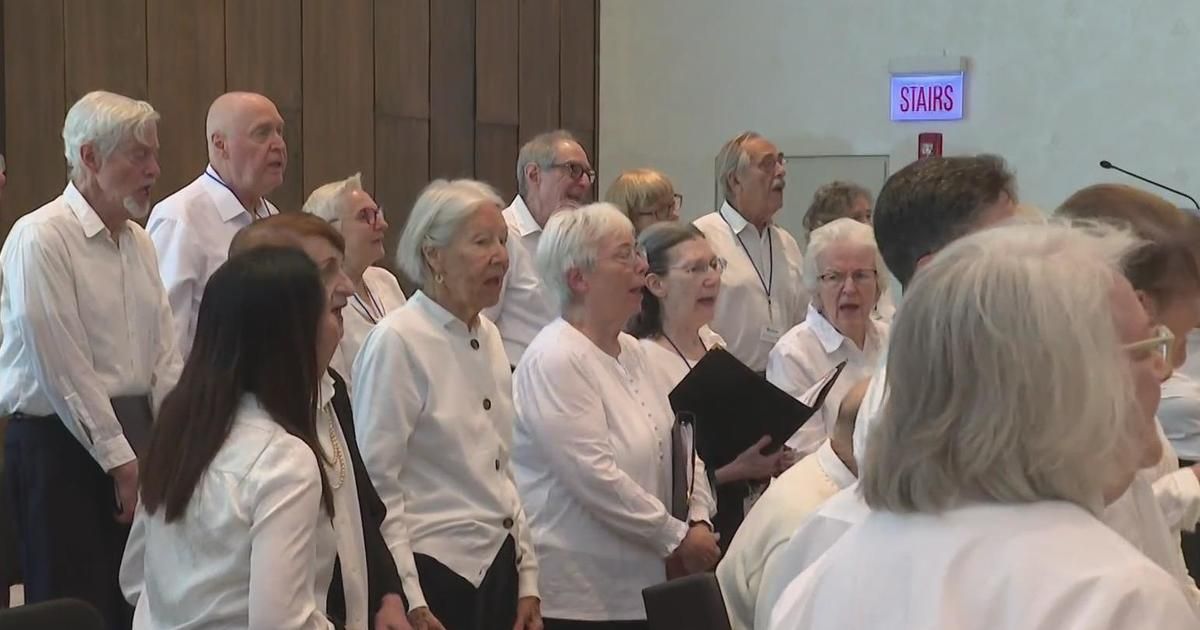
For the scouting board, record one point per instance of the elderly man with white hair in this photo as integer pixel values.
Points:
(995, 454)
(86, 331)
(193, 227)
(553, 173)
(360, 220)
(592, 447)
(762, 293)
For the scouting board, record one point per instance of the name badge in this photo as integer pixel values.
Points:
(770, 334)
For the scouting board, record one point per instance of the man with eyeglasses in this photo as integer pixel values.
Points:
(762, 294)
(193, 227)
(553, 174)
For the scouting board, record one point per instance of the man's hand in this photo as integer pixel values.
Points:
(529, 614)
(125, 482)
(422, 619)
(699, 551)
(391, 615)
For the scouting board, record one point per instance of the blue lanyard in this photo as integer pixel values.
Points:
(769, 281)
(262, 203)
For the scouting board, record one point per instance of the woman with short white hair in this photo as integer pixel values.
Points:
(846, 275)
(360, 220)
(592, 449)
(434, 417)
(995, 452)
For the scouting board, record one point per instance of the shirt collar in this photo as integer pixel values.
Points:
(734, 218)
(227, 203)
(439, 314)
(838, 473)
(829, 336)
(526, 224)
(325, 390)
(83, 211)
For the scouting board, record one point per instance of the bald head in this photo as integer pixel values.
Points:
(245, 144)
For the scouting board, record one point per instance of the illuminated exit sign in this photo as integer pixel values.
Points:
(927, 96)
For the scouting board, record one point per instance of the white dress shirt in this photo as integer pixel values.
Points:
(83, 319)
(806, 353)
(525, 305)
(254, 548)
(192, 230)
(985, 566)
(361, 315)
(1179, 413)
(790, 497)
(347, 515)
(433, 415)
(762, 293)
(592, 459)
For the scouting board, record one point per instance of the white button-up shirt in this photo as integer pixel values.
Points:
(762, 289)
(525, 304)
(791, 497)
(362, 314)
(806, 353)
(83, 319)
(254, 548)
(986, 566)
(433, 415)
(192, 230)
(592, 458)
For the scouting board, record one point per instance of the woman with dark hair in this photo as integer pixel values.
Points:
(234, 527)
(678, 302)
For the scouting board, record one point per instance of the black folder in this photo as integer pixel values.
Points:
(133, 412)
(733, 407)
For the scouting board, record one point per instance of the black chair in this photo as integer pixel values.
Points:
(688, 603)
(59, 614)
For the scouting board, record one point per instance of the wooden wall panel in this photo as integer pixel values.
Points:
(105, 46)
(496, 149)
(452, 88)
(186, 53)
(263, 44)
(35, 104)
(539, 61)
(496, 52)
(577, 72)
(405, 155)
(339, 90)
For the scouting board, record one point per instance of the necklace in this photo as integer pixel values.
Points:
(339, 458)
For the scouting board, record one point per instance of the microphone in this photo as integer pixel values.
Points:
(1109, 165)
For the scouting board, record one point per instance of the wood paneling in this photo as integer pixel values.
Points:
(538, 81)
(452, 88)
(577, 72)
(403, 149)
(496, 149)
(496, 52)
(339, 90)
(263, 45)
(402, 58)
(35, 104)
(105, 46)
(186, 53)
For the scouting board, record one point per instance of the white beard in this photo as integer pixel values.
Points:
(135, 209)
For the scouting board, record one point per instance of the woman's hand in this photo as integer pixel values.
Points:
(752, 464)
(422, 619)
(529, 614)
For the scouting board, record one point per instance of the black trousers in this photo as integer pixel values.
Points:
(459, 605)
(564, 624)
(1191, 543)
(63, 507)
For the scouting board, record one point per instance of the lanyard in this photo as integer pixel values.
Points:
(679, 352)
(361, 306)
(769, 281)
(253, 213)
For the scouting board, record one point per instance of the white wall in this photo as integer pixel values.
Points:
(1053, 86)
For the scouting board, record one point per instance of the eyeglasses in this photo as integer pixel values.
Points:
(664, 212)
(1159, 344)
(630, 256)
(371, 216)
(771, 163)
(576, 170)
(837, 278)
(716, 263)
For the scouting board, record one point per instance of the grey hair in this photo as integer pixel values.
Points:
(843, 231)
(104, 120)
(438, 213)
(986, 399)
(732, 158)
(542, 149)
(571, 240)
(330, 200)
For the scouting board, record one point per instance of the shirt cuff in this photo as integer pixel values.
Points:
(671, 534)
(700, 512)
(527, 582)
(412, 592)
(112, 452)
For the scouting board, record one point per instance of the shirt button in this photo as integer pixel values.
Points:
(487, 404)
(497, 464)
(508, 523)
(474, 344)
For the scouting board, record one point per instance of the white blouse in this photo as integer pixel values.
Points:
(592, 459)
(254, 548)
(807, 353)
(361, 314)
(433, 415)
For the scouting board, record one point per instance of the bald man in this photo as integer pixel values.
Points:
(192, 228)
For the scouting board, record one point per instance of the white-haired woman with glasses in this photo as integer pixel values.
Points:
(679, 300)
(434, 416)
(592, 449)
(360, 220)
(995, 452)
(843, 270)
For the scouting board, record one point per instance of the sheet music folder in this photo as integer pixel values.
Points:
(733, 407)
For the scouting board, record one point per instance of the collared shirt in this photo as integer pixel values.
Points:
(434, 415)
(361, 315)
(985, 566)
(749, 319)
(347, 515)
(807, 353)
(83, 319)
(192, 230)
(1179, 413)
(253, 549)
(592, 459)
(525, 304)
(791, 497)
